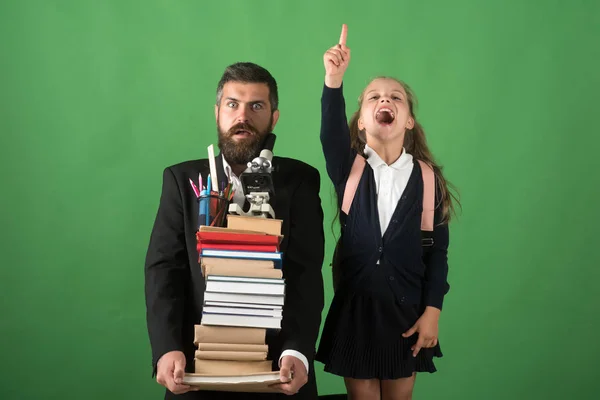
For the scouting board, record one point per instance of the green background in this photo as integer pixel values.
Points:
(97, 97)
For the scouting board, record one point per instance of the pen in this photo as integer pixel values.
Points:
(194, 188)
(207, 201)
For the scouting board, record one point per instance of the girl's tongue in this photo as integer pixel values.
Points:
(384, 117)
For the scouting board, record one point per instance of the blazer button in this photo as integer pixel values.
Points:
(394, 221)
(391, 278)
(380, 249)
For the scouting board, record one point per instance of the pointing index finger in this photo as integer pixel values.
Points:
(344, 34)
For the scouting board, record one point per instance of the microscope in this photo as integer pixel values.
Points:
(257, 183)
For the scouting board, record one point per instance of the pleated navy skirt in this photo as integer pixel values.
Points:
(362, 338)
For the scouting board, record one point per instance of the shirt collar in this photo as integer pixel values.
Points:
(375, 161)
(227, 168)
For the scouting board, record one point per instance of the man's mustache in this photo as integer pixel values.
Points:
(242, 126)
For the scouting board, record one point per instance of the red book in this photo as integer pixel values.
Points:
(236, 238)
(236, 241)
(235, 246)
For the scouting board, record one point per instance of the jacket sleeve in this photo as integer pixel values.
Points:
(335, 135)
(165, 271)
(436, 271)
(302, 264)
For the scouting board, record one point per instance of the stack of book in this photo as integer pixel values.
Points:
(230, 350)
(244, 296)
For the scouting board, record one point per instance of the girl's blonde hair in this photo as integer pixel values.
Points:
(415, 144)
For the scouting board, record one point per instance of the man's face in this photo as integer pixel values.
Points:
(244, 118)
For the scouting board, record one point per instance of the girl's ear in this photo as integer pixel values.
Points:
(410, 123)
(361, 126)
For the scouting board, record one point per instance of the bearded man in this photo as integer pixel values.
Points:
(246, 112)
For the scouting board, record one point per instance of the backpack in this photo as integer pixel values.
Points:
(426, 217)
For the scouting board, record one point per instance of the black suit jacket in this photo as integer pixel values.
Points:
(174, 284)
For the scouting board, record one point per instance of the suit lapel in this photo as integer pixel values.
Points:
(281, 191)
(221, 176)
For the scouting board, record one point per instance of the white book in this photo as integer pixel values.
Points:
(249, 321)
(243, 311)
(224, 278)
(191, 379)
(244, 287)
(262, 255)
(244, 298)
(242, 305)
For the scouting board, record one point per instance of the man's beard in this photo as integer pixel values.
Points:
(245, 150)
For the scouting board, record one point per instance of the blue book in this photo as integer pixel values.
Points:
(276, 257)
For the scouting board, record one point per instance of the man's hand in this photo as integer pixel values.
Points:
(336, 60)
(427, 327)
(291, 365)
(170, 370)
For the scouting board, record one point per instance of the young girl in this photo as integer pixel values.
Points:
(382, 326)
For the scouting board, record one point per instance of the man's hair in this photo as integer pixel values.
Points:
(247, 72)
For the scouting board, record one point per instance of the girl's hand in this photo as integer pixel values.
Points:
(427, 327)
(336, 60)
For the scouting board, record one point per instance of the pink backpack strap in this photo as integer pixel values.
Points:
(428, 196)
(428, 190)
(352, 183)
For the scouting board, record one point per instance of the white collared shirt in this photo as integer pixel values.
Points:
(390, 182)
(239, 198)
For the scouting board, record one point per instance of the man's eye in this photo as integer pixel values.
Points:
(231, 104)
(257, 107)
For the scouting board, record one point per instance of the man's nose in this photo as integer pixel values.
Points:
(243, 115)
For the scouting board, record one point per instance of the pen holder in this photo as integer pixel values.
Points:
(212, 210)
